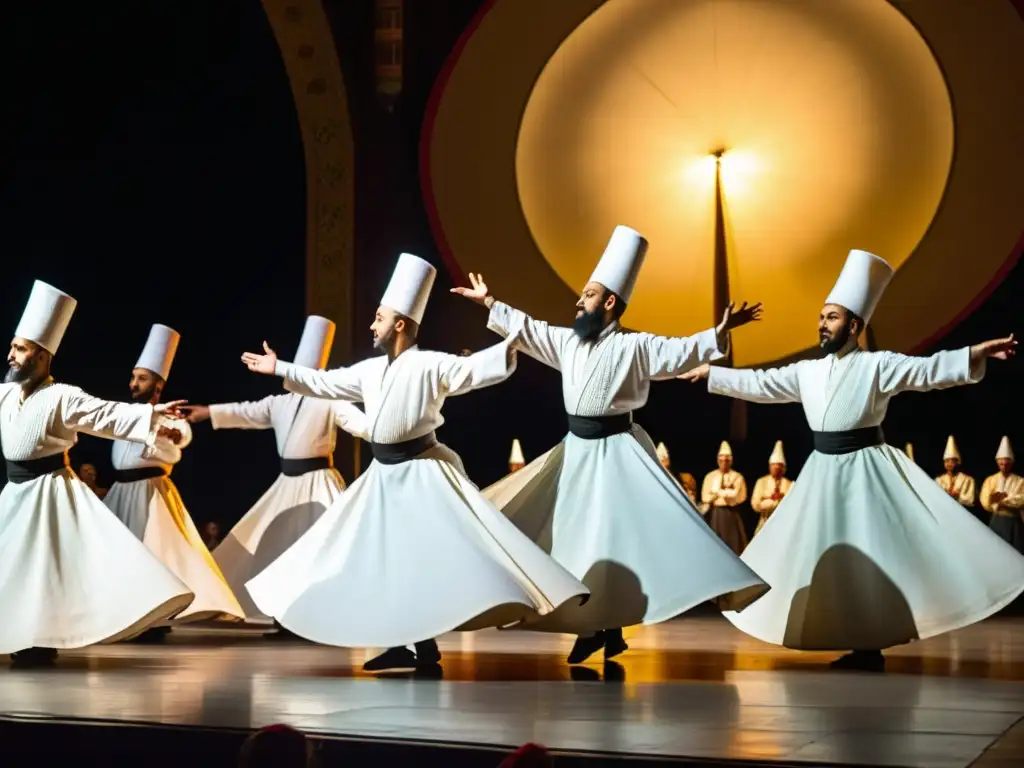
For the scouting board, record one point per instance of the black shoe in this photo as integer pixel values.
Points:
(613, 643)
(585, 647)
(153, 635)
(427, 653)
(392, 660)
(860, 661)
(281, 634)
(34, 657)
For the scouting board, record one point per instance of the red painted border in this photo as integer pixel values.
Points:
(459, 277)
(427, 135)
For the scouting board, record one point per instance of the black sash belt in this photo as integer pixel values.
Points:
(299, 467)
(30, 469)
(838, 443)
(597, 427)
(398, 453)
(139, 473)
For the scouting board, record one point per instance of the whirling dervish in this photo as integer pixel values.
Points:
(412, 549)
(600, 501)
(305, 429)
(145, 498)
(70, 574)
(866, 551)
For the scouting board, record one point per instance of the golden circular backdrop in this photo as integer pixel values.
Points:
(836, 121)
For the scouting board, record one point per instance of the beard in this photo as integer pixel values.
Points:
(17, 374)
(833, 345)
(384, 343)
(143, 395)
(588, 325)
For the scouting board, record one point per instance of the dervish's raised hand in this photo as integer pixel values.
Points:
(265, 363)
(478, 293)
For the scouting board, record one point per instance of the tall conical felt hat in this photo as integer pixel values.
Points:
(316, 342)
(516, 457)
(158, 354)
(662, 451)
(861, 284)
(909, 450)
(620, 263)
(409, 289)
(1005, 449)
(777, 457)
(951, 452)
(46, 316)
(725, 449)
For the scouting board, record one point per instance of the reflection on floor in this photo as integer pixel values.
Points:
(691, 687)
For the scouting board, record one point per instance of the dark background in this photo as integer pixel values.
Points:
(156, 174)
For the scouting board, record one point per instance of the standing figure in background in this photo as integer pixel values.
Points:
(305, 429)
(958, 485)
(770, 490)
(516, 460)
(722, 495)
(1002, 495)
(600, 502)
(867, 552)
(664, 457)
(70, 574)
(211, 538)
(87, 474)
(412, 549)
(909, 450)
(146, 500)
(689, 483)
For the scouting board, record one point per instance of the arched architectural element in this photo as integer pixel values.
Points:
(303, 34)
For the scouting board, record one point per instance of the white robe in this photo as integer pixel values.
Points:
(606, 509)
(304, 428)
(153, 510)
(761, 498)
(960, 483)
(410, 550)
(1007, 515)
(866, 551)
(70, 574)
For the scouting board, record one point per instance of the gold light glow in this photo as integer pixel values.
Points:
(836, 130)
(837, 133)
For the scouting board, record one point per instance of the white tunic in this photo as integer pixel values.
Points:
(606, 509)
(304, 428)
(410, 550)
(867, 551)
(761, 498)
(961, 485)
(1012, 485)
(70, 573)
(153, 510)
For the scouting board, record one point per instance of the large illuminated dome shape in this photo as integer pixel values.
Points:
(886, 126)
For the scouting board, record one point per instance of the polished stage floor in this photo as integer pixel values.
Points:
(694, 687)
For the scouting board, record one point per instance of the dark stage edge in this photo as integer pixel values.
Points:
(693, 691)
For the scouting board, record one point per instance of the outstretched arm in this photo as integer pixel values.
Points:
(536, 338)
(252, 414)
(667, 358)
(771, 385)
(457, 375)
(336, 384)
(134, 422)
(903, 373)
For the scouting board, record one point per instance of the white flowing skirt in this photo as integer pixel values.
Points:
(867, 552)
(410, 551)
(609, 512)
(70, 574)
(154, 512)
(283, 514)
